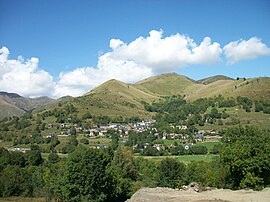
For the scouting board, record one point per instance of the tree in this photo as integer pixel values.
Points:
(17, 158)
(4, 158)
(124, 161)
(150, 151)
(85, 177)
(73, 140)
(258, 106)
(148, 170)
(199, 149)
(15, 181)
(34, 158)
(206, 173)
(115, 141)
(214, 113)
(73, 131)
(171, 173)
(53, 158)
(246, 154)
(217, 148)
(124, 170)
(179, 150)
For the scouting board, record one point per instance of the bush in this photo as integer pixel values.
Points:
(199, 149)
(53, 158)
(84, 141)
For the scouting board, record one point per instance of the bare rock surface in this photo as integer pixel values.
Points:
(195, 195)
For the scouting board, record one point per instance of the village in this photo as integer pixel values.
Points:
(105, 131)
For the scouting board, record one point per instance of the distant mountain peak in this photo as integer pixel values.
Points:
(11, 95)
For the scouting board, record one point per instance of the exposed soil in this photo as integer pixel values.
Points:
(190, 195)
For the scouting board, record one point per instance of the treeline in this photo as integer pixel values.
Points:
(114, 175)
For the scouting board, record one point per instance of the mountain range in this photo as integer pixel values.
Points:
(12, 104)
(116, 98)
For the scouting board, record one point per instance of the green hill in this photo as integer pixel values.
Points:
(114, 98)
(165, 84)
(255, 88)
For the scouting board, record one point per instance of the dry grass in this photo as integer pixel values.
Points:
(255, 88)
(165, 84)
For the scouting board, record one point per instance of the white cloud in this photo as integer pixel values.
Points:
(245, 50)
(166, 54)
(81, 80)
(128, 62)
(23, 77)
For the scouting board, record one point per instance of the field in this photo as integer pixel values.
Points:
(45, 155)
(185, 158)
(209, 145)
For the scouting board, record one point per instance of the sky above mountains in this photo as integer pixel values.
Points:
(59, 48)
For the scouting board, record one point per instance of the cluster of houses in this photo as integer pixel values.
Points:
(17, 149)
(101, 130)
(104, 130)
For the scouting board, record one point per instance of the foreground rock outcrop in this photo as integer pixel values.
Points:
(190, 195)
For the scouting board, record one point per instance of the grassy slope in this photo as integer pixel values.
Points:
(213, 79)
(8, 109)
(114, 98)
(252, 88)
(11, 105)
(165, 84)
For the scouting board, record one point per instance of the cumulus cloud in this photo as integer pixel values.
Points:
(245, 50)
(163, 54)
(23, 77)
(128, 62)
(80, 80)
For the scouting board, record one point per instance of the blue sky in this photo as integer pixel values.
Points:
(69, 39)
